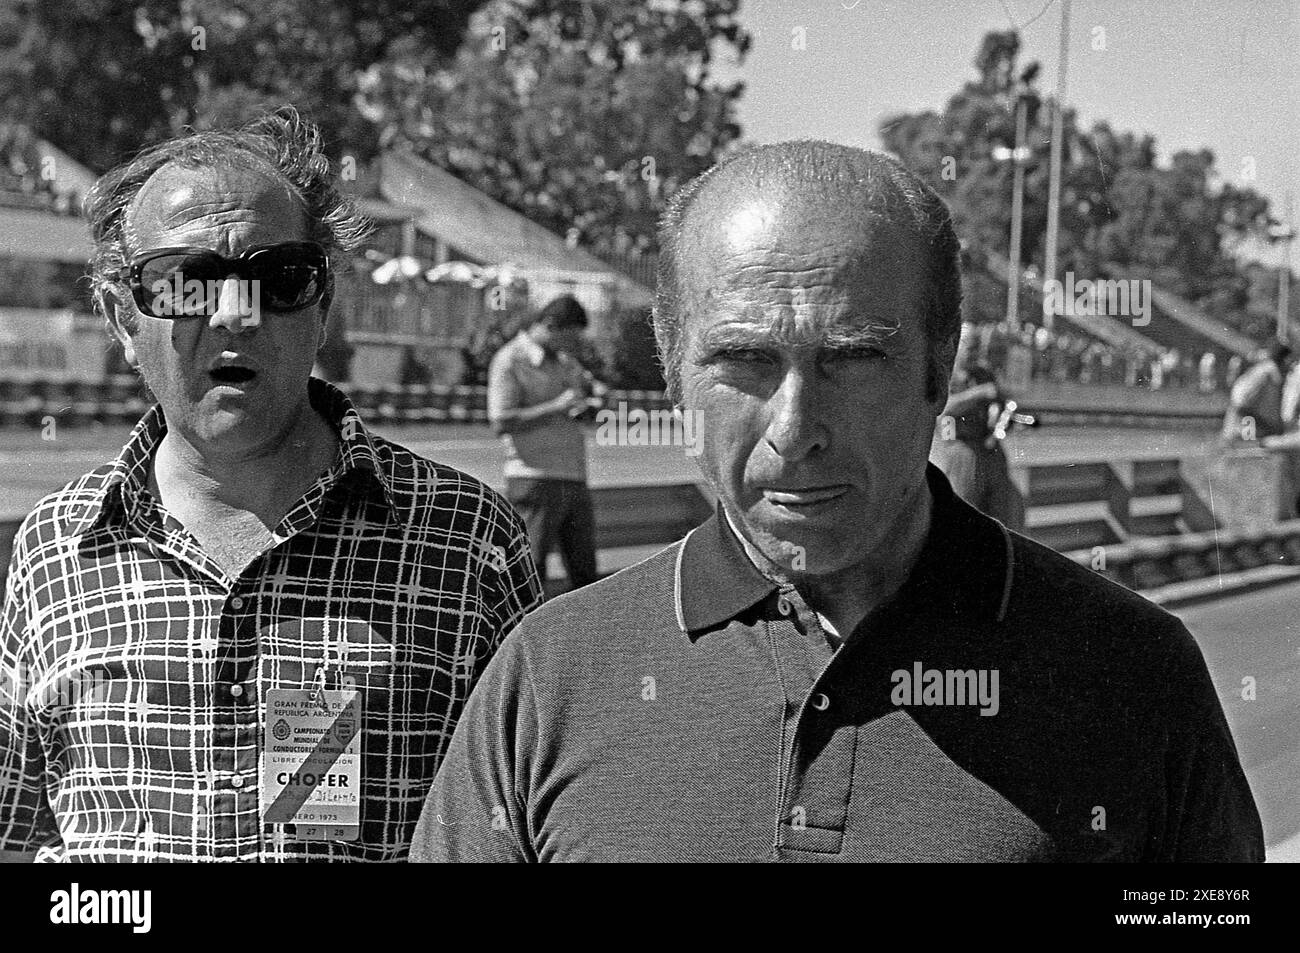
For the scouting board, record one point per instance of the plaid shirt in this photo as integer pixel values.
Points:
(133, 668)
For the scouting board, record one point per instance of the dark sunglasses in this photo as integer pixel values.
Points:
(185, 282)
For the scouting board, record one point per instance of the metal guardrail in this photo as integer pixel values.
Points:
(72, 403)
(1065, 505)
(1146, 564)
(1138, 522)
(123, 399)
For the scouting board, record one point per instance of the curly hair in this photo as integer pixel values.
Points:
(880, 185)
(281, 143)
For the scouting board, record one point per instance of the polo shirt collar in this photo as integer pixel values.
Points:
(964, 569)
(715, 579)
(129, 471)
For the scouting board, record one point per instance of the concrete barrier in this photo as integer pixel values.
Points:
(1148, 564)
(1143, 523)
(123, 399)
(1079, 505)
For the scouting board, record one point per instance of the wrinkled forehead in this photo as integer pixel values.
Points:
(807, 266)
(208, 205)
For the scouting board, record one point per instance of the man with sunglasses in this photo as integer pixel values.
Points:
(250, 635)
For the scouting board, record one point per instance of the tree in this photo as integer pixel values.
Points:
(581, 116)
(1261, 296)
(101, 78)
(1122, 213)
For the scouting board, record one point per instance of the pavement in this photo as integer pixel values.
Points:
(31, 467)
(1247, 624)
(1256, 635)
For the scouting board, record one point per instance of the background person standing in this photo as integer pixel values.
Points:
(965, 448)
(1288, 444)
(1257, 397)
(537, 393)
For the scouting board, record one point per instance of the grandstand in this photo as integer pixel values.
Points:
(47, 331)
(1160, 351)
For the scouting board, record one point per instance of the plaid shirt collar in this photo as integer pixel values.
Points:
(129, 475)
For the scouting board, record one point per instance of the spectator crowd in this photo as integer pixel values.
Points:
(1034, 353)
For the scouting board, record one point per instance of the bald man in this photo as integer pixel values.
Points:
(846, 662)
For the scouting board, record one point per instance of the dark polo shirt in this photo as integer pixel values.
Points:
(687, 709)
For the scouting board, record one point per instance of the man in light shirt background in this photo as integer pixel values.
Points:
(537, 391)
(1255, 401)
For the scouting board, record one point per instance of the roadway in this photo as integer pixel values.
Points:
(1255, 634)
(30, 467)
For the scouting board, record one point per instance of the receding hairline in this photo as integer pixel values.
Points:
(857, 189)
(853, 237)
(865, 177)
(252, 165)
(884, 195)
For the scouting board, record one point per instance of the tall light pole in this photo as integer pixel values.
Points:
(1286, 234)
(1018, 155)
(1054, 186)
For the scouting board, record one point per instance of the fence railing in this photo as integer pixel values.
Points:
(1138, 522)
(123, 399)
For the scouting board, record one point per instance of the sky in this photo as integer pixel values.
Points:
(1217, 74)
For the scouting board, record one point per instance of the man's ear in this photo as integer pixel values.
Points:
(115, 306)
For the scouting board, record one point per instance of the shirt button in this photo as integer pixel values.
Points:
(783, 606)
(237, 781)
(821, 702)
(237, 602)
(236, 690)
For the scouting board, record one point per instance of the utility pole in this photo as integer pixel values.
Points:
(1287, 234)
(1017, 209)
(1058, 124)
(1018, 155)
